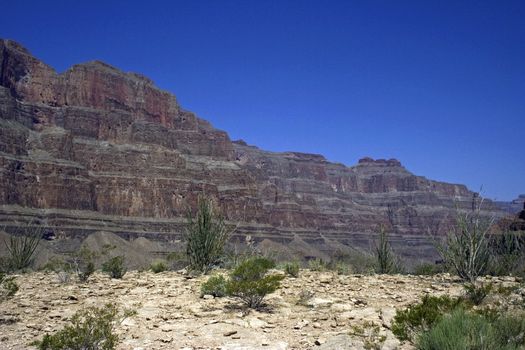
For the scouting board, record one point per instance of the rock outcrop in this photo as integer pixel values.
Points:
(96, 149)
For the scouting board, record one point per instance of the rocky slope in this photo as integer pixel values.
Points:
(344, 312)
(97, 149)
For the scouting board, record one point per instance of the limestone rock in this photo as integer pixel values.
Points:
(342, 342)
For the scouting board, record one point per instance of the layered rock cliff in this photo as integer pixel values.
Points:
(98, 149)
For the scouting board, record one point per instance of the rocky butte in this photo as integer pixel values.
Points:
(95, 149)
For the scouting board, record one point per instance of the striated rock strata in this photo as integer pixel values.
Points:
(96, 149)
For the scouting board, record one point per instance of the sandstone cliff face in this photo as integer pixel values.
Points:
(95, 149)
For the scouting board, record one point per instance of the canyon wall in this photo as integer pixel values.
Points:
(97, 149)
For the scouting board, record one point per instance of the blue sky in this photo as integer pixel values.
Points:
(439, 85)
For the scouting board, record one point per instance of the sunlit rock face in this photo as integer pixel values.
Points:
(98, 149)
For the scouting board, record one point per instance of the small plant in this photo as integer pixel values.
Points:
(158, 266)
(421, 317)
(115, 267)
(83, 263)
(8, 287)
(353, 261)
(385, 258)
(89, 329)
(304, 297)
(205, 237)
(464, 330)
(177, 260)
(250, 282)
(370, 334)
(427, 269)
(507, 254)
(476, 293)
(61, 268)
(342, 268)
(21, 248)
(317, 264)
(292, 268)
(215, 285)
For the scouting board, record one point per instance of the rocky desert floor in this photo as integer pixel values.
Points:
(344, 311)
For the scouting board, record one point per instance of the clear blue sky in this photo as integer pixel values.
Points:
(439, 85)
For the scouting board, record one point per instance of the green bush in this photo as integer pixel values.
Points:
(421, 317)
(89, 329)
(205, 237)
(83, 263)
(115, 267)
(475, 293)
(464, 330)
(250, 282)
(215, 285)
(508, 255)
(8, 287)
(292, 268)
(158, 266)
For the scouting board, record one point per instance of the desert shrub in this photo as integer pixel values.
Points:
(21, 248)
(177, 260)
(83, 263)
(464, 330)
(292, 268)
(215, 285)
(205, 237)
(428, 269)
(8, 287)
(354, 261)
(421, 317)
(115, 267)
(370, 334)
(159, 266)
(89, 329)
(317, 264)
(510, 330)
(343, 268)
(466, 247)
(250, 281)
(305, 296)
(60, 267)
(475, 293)
(385, 258)
(507, 254)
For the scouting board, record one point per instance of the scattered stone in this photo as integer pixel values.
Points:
(320, 341)
(342, 342)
